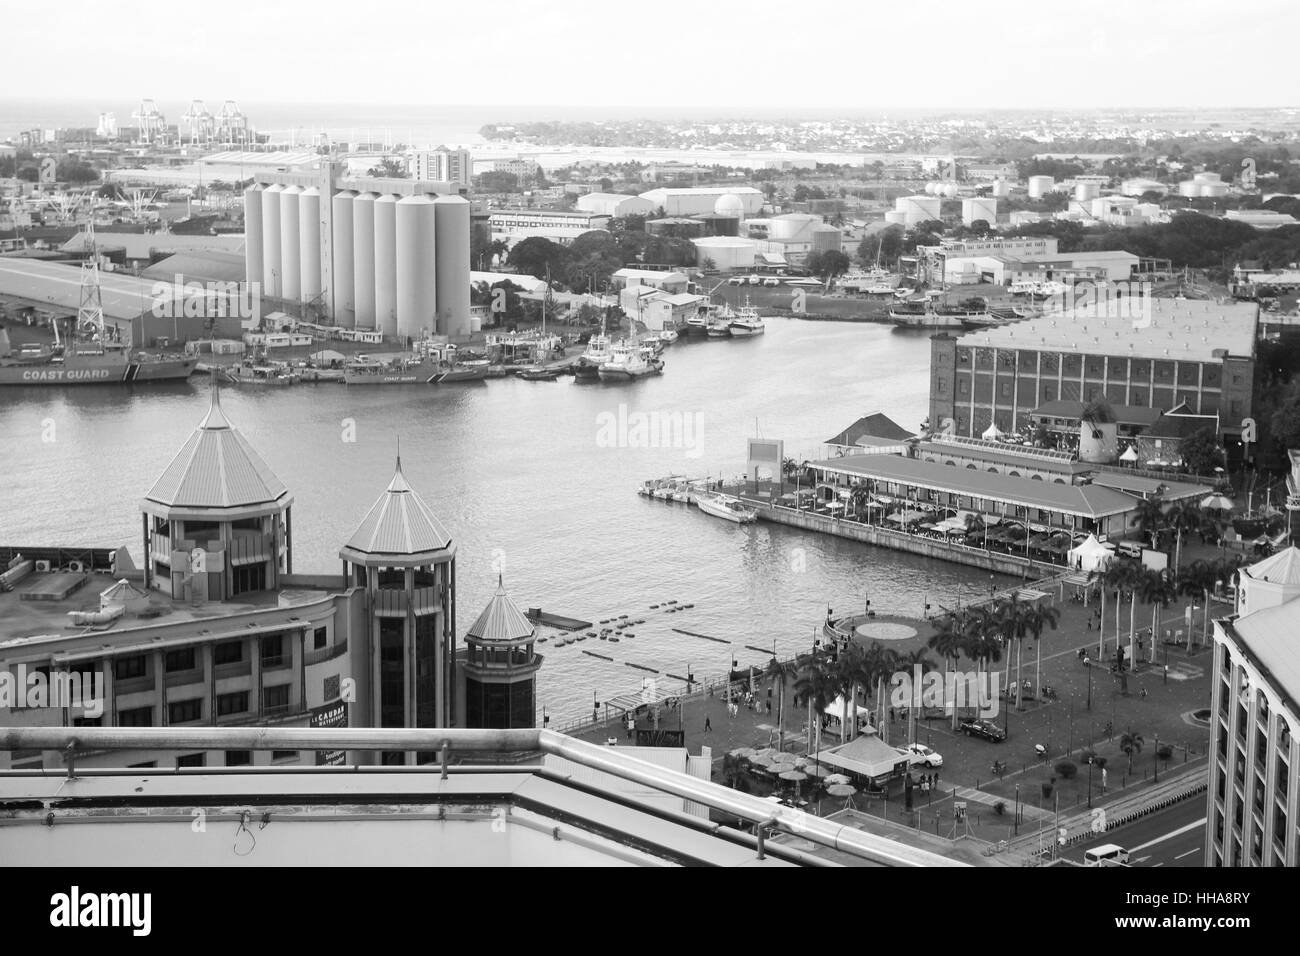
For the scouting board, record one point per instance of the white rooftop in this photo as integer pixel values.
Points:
(398, 525)
(1189, 330)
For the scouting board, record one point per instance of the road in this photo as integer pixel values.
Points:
(1171, 837)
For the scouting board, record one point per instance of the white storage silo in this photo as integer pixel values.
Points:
(309, 243)
(931, 189)
(345, 310)
(386, 265)
(363, 259)
(271, 240)
(253, 233)
(1040, 186)
(917, 209)
(1086, 192)
(1189, 188)
(1214, 189)
(896, 218)
(416, 260)
(1206, 179)
(1001, 189)
(452, 273)
(290, 260)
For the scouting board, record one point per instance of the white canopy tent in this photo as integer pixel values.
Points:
(1091, 555)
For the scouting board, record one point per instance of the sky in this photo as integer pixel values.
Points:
(863, 55)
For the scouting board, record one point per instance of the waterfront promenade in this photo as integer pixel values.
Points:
(1093, 709)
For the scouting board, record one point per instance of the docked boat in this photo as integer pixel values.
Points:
(540, 373)
(697, 326)
(254, 374)
(473, 370)
(719, 327)
(747, 323)
(628, 362)
(89, 367)
(727, 507)
(668, 336)
(596, 354)
(922, 316)
(414, 371)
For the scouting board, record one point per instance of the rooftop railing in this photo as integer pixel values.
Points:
(617, 762)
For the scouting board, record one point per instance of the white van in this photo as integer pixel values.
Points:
(1108, 855)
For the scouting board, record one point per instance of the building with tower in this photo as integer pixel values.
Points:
(500, 667)
(403, 561)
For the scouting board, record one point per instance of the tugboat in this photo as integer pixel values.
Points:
(747, 323)
(628, 361)
(597, 354)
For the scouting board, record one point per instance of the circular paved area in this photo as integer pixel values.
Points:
(885, 631)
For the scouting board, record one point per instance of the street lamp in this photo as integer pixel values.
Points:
(1017, 818)
(1089, 783)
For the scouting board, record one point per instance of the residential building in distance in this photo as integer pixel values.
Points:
(444, 165)
(523, 168)
(1197, 354)
(1252, 809)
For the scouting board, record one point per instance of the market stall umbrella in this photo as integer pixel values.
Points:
(784, 758)
(1218, 502)
(816, 770)
(794, 776)
(747, 753)
(765, 752)
(837, 778)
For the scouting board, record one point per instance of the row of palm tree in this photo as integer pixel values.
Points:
(983, 632)
(1158, 589)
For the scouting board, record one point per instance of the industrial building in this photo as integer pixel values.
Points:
(1252, 797)
(442, 165)
(513, 225)
(614, 205)
(1199, 354)
(701, 200)
(366, 253)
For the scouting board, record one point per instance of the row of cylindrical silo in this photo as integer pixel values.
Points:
(398, 264)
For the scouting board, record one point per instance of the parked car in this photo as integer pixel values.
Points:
(771, 280)
(919, 755)
(984, 729)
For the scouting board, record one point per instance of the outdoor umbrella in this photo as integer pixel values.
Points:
(794, 776)
(764, 752)
(1218, 502)
(816, 770)
(747, 753)
(841, 790)
(837, 778)
(786, 758)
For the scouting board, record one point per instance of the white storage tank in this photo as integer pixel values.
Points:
(415, 260)
(1086, 192)
(363, 259)
(386, 265)
(917, 208)
(1189, 188)
(1040, 186)
(452, 273)
(1205, 179)
(896, 218)
(253, 233)
(727, 252)
(1214, 189)
(931, 189)
(345, 310)
(1001, 189)
(979, 208)
(271, 240)
(290, 260)
(309, 242)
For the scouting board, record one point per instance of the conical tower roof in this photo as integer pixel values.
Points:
(218, 469)
(1280, 568)
(501, 620)
(398, 526)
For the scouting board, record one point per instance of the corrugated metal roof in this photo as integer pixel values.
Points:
(217, 468)
(501, 620)
(1281, 568)
(399, 523)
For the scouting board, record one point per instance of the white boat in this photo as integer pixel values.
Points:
(747, 323)
(627, 361)
(727, 507)
(668, 336)
(596, 354)
(719, 323)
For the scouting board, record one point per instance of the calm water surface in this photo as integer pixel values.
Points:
(520, 474)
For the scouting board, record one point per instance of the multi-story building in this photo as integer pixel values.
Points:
(512, 225)
(1199, 354)
(523, 168)
(443, 165)
(217, 631)
(1253, 802)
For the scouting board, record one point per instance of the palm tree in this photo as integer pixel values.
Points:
(1157, 589)
(1035, 620)
(1184, 516)
(1122, 578)
(909, 662)
(858, 498)
(782, 672)
(846, 671)
(1131, 744)
(815, 690)
(1195, 581)
(1149, 517)
(877, 664)
(948, 642)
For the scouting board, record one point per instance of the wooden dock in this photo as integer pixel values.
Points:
(545, 618)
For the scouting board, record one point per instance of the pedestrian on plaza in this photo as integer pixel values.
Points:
(1144, 693)
(1090, 624)
(891, 715)
(631, 726)
(769, 708)
(707, 726)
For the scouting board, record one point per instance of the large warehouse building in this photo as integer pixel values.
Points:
(386, 254)
(1200, 354)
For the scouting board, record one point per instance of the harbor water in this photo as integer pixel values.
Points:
(536, 481)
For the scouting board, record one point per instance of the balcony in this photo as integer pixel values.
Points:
(392, 602)
(161, 547)
(325, 653)
(250, 548)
